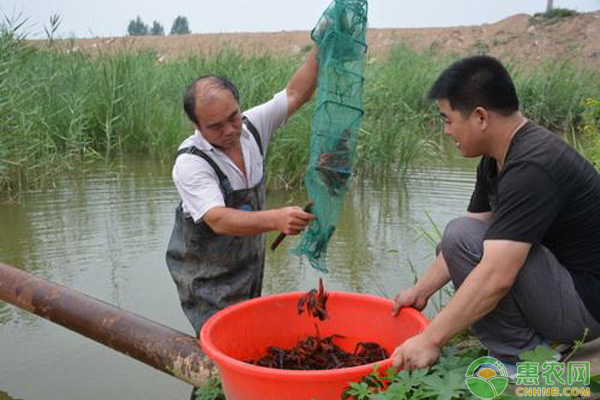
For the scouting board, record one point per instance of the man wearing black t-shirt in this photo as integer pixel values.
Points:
(525, 261)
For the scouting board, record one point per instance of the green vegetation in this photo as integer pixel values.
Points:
(399, 125)
(552, 93)
(62, 109)
(590, 127)
(51, 30)
(157, 29)
(552, 16)
(212, 390)
(480, 48)
(180, 26)
(137, 27)
(446, 379)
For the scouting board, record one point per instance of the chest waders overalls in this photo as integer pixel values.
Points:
(213, 271)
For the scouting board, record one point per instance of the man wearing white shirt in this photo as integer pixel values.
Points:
(217, 247)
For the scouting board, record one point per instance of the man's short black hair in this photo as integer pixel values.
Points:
(478, 81)
(189, 99)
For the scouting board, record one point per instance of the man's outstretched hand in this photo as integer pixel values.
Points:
(293, 220)
(408, 298)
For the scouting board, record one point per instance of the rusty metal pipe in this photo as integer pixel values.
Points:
(159, 346)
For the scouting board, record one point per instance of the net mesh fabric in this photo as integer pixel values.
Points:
(340, 36)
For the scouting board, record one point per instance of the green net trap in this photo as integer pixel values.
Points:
(340, 36)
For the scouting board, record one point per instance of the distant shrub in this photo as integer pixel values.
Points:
(552, 16)
(559, 13)
(180, 26)
(479, 48)
(137, 27)
(157, 29)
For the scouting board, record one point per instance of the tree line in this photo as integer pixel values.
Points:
(137, 27)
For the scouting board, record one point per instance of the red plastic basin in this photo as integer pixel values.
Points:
(245, 330)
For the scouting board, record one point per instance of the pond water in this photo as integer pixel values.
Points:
(105, 234)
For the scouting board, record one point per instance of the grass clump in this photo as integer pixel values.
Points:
(590, 127)
(399, 123)
(552, 93)
(552, 16)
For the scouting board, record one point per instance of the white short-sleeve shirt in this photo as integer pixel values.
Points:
(197, 182)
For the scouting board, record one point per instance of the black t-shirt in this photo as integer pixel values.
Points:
(546, 193)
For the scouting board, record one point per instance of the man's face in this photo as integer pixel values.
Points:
(220, 120)
(465, 131)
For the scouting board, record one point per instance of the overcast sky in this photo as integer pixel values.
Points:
(85, 18)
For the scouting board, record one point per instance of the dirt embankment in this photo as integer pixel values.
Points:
(517, 37)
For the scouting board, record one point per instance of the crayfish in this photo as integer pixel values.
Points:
(316, 353)
(315, 302)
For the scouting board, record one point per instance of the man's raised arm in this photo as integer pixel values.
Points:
(303, 83)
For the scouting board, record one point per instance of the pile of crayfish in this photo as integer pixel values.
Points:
(316, 353)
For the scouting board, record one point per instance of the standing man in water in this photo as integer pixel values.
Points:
(217, 248)
(525, 261)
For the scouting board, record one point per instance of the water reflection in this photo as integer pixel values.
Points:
(105, 235)
(378, 240)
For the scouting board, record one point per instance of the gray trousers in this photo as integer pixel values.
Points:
(542, 304)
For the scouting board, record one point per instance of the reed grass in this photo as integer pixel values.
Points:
(60, 109)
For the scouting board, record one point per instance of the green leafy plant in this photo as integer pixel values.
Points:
(212, 390)
(540, 355)
(446, 380)
(443, 381)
